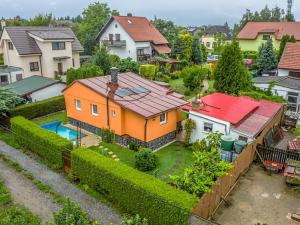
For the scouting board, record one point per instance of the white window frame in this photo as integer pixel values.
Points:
(297, 103)
(92, 110)
(210, 124)
(78, 107)
(160, 118)
(113, 113)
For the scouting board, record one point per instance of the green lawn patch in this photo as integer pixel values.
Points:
(211, 86)
(178, 86)
(61, 116)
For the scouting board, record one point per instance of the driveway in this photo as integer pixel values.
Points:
(260, 198)
(96, 210)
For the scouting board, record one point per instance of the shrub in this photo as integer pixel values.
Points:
(38, 109)
(132, 190)
(193, 76)
(5, 197)
(176, 75)
(115, 60)
(46, 144)
(148, 71)
(107, 135)
(189, 126)
(71, 213)
(250, 55)
(128, 65)
(145, 160)
(19, 216)
(134, 146)
(83, 72)
(137, 220)
(259, 95)
(187, 92)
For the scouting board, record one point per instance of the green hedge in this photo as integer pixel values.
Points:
(40, 108)
(134, 191)
(46, 144)
(148, 71)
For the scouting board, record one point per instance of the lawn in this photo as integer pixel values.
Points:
(61, 116)
(211, 86)
(178, 86)
(170, 162)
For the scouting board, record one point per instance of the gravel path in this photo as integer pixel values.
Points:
(25, 193)
(96, 210)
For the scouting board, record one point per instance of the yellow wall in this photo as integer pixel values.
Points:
(125, 121)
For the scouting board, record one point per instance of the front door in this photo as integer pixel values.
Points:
(60, 68)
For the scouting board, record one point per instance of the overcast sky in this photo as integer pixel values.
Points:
(184, 12)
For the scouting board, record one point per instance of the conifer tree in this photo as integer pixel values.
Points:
(196, 51)
(267, 59)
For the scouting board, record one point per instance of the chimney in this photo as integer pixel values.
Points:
(114, 75)
(3, 24)
(129, 14)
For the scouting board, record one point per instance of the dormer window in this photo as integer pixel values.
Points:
(266, 37)
(10, 45)
(58, 45)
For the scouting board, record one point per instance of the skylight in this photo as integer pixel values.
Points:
(123, 92)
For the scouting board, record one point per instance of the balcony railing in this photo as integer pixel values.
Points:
(115, 43)
(143, 57)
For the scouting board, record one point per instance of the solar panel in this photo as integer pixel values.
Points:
(123, 92)
(139, 90)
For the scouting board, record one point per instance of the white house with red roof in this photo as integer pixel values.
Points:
(134, 37)
(243, 118)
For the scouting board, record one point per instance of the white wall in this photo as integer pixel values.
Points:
(282, 72)
(48, 92)
(76, 57)
(278, 90)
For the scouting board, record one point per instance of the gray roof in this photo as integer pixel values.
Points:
(286, 81)
(213, 29)
(26, 45)
(9, 69)
(52, 35)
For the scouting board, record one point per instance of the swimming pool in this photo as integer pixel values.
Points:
(62, 131)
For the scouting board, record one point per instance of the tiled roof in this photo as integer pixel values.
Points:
(26, 45)
(162, 49)
(154, 101)
(30, 84)
(252, 29)
(284, 81)
(138, 28)
(291, 57)
(52, 35)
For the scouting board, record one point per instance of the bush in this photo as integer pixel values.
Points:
(193, 76)
(137, 220)
(71, 213)
(145, 160)
(18, 216)
(46, 144)
(38, 109)
(115, 60)
(250, 55)
(83, 72)
(128, 65)
(132, 190)
(107, 135)
(176, 75)
(259, 95)
(5, 197)
(134, 146)
(187, 92)
(148, 71)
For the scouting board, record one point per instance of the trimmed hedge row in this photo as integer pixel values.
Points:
(40, 108)
(134, 191)
(46, 144)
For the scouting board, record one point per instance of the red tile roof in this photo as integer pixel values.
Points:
(252, 29)
(291, 57)
(156, 100)
(141, 29)
(162, 49)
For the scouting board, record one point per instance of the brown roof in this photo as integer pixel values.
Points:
(162, 49)
(152, 100)
(291, 57)
(252, 29)
(138, 28)
(26, 45)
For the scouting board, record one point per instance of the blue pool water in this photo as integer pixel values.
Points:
(63, 131)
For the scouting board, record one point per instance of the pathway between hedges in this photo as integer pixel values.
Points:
(96, 210)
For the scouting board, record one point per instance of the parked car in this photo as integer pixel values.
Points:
(212, 58)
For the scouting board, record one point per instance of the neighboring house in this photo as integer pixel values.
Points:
(37, 88)
(43, 51)
(254, 34)
(208, 37)
(289, 64)
(10, 74)
(240, 117)
(135, 109)
(286, 86)
(134, 37)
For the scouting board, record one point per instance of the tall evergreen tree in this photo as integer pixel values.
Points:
(196, 51)
(177, 47)
(231, 75)
(267, 59)
(204, 53)
(285, 39)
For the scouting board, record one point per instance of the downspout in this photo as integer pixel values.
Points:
(10, 77)
(41, 65)
(107, 111)
(145, 131)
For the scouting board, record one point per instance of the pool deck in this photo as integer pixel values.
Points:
(87, 141)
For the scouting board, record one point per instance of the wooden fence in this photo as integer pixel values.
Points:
(210, 202)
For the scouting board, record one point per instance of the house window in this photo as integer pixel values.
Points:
(116, 25)
(10, 45)
(140, 51)
(58, 46)
(34, 66)
(19, 77)
(163, 118)
(113, 113)
(118, 37)
(78, 105)
(94, 110)
(111, 37)
(4, 79)
(207, 44)
(266, 37)
(208, 127)
(293, 99)
(295, 74)
(73, 62)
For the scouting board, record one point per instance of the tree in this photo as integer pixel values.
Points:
(40, 20)
(204, 53)
(267, 58)
(187, 46)
(83, 72)
(8, 100)
(101, 58)
(196, 51)
(128, 65)
(177, 48)
(193, 76)
(94, 17)
(285, 39)
(219, 43)
(231, 75)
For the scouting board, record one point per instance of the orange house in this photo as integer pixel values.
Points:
(136, 109)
